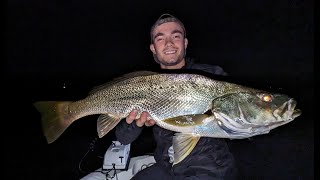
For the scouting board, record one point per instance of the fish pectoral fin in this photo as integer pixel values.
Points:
(183, 144)
(105, 123)
(187, 120)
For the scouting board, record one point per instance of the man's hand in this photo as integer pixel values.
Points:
(143, 120)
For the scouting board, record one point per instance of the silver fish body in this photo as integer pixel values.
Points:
(178, 102)
(162, 95)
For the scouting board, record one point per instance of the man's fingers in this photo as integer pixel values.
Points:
(150, 122)
(143, 118)
(132, 116)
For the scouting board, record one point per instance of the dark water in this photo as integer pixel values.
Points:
(285, 153)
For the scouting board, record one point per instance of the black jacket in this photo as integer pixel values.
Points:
(210, 159)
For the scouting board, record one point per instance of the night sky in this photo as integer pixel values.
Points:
(79, 44)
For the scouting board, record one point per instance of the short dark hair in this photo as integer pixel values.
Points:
(164, 18)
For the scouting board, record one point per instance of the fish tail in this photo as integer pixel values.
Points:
(55, 118)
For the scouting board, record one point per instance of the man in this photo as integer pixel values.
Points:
(210, 159)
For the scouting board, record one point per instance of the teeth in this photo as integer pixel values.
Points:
(170, 52)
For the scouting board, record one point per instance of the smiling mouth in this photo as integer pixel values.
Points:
(170, 52)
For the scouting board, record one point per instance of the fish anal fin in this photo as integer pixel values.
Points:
(183, 144)
(187, 120)
(105, 123)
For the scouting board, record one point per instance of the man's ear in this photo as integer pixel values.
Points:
(185, 43)
(152, 49)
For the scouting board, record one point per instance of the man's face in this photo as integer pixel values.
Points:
(169, 44)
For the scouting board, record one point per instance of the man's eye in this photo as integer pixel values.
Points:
(159, 39)
(177, 37)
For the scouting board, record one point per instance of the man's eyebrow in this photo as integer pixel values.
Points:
(177, 31)
(158, 34)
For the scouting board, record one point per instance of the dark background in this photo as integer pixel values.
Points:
(59, 50)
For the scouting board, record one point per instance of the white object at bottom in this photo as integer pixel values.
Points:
(136, 164)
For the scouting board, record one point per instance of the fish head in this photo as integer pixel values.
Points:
(250, 113)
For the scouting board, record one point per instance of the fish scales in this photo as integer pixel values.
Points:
(155, 94)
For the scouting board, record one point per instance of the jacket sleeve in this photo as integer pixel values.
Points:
(127, 133)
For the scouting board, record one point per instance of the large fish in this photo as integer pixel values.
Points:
(192, 105)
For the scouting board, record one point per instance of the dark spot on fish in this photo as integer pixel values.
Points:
(209, 112)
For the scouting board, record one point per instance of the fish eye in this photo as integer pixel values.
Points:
(265, 97)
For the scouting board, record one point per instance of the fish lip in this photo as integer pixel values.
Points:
(296, 113)
(287, 111)
(277, 124)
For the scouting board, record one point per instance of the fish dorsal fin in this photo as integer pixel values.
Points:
(183, 144)
(186, 120)
(105, 123)
(122, 78)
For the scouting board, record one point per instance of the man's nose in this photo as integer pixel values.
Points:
(169, 42)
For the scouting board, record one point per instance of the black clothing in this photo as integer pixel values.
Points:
(210, 159)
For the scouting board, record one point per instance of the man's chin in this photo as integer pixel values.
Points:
(170, 62)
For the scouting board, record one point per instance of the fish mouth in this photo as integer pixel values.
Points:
(287, 111)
